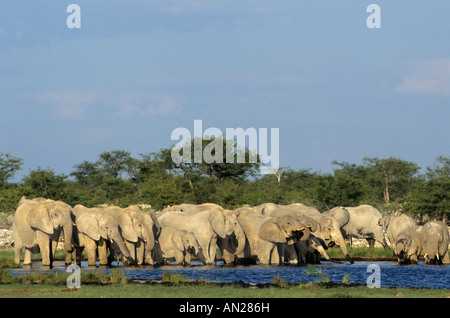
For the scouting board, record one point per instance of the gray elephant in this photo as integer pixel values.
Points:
(408, 246)
(207, 226)
(95, 231)
(234, 242)
(178, 244)
(139, 230)
(325, 228)
(435, 238)
(363, 223)
(264, 209)
(311, 250)
(394, 225)
(268, 237)
(39, 223)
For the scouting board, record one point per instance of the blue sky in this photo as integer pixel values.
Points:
(136, 70)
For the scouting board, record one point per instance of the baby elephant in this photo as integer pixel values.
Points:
(408, 246)
(178, 244)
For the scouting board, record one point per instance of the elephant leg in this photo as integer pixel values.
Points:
(179, 257)
(18, 247)
(78, 252)
(187, 258)
(102, 252)
(54, 246)
(212, 250)
(281, 254)
(91, 249)
(227, 257)
(68, 259)
(45, 246)
(27, 258)
(292, 254)
(54, 242)
(446, 258)
(371, 242)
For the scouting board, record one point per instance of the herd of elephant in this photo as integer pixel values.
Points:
(264, 234)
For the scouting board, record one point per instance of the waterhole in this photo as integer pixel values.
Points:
(391, 273)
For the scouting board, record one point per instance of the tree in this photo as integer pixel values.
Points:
(116, 163)
(431, 196)
(45, 183)
(9, 165)
(87, 173)
(440, 169)
(394, 175)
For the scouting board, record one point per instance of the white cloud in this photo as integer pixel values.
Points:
(68, 104)
(166, 107)
(427, 77)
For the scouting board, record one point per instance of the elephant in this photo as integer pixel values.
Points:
(324, 227)
(234, 242)
(139, 230)
(311, 250)
(178, 244)
(192, 208)
(264, 209)
(267, 237)
(207, 226)
(96, 230)
(435, 238)
(408, 246)
(393, 225)
(363, 223)
(304, 249)
(39, 223)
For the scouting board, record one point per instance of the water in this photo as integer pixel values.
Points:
(391, 274)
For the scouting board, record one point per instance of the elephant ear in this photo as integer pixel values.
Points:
(178, 240)
(270, 231)
(38, 218)
(218, 224)
(341, 215)
(88, 224)
(126, 227)
(156, 225)
(312, 224)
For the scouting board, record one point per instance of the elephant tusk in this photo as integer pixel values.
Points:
(301, 229)
(425, 256)
(437, 256)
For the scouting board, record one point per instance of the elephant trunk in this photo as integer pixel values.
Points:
(432, 256)
(187, 258)
(148, 238)
(118, 240)
(303, 234)
(240, 237)
(341, 242)
(68, 231)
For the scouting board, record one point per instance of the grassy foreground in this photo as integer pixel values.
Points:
(117, 285)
